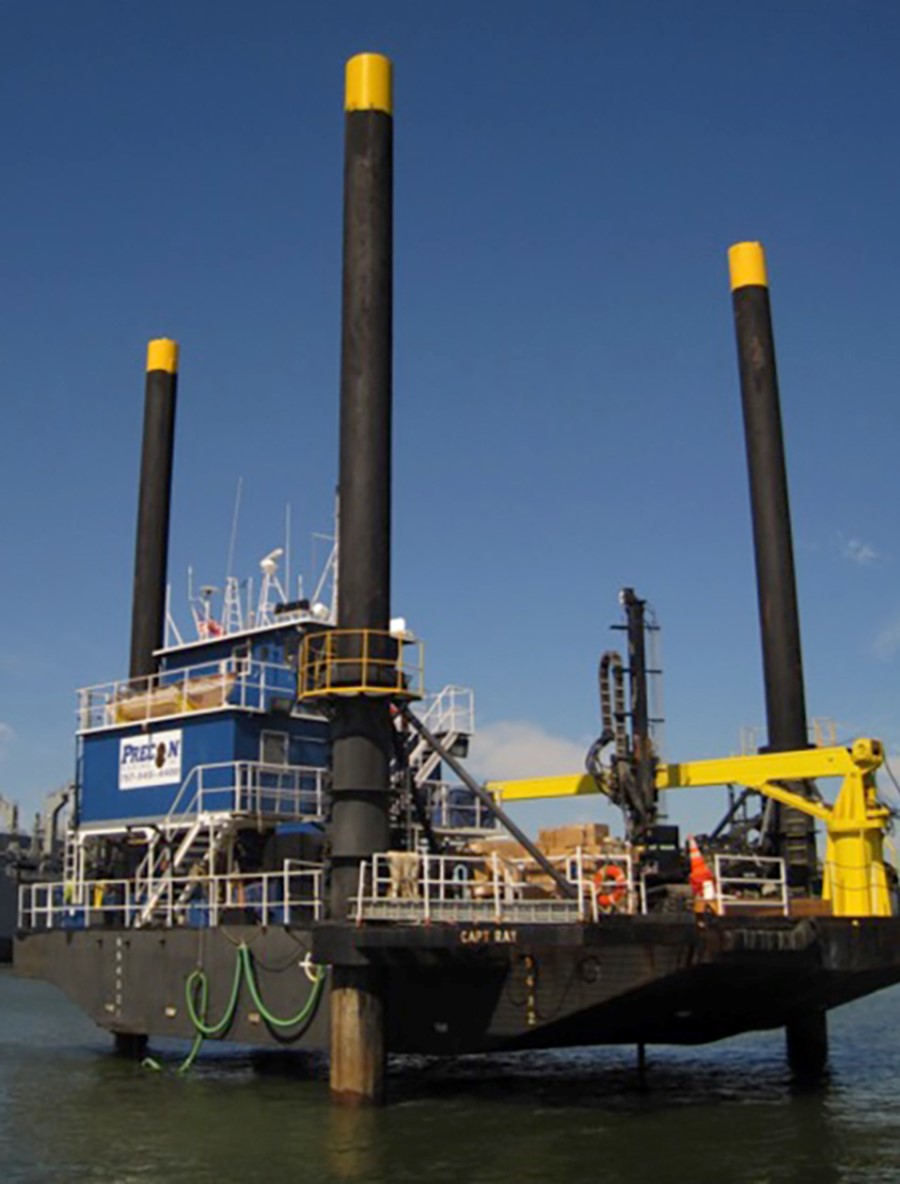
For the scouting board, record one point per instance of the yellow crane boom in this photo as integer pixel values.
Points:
(855, 879)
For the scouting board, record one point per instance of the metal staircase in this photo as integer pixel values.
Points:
(164, 877)
(449, 715)
(220, 799)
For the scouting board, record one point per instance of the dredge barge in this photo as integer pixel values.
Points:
(276, 841)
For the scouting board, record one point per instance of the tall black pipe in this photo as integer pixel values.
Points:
(807, 1033)
(776, 583)
(361, 729)
(148, 612)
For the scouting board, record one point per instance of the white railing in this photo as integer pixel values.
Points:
(449, 715)
(286, 792)
(609, 880)
(451, 806)
(288, 897)
(451, 710)
(420, 888)
(242, 683)
(744, 881)
(210, 797)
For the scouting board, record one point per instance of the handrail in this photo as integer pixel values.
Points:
(452, 709)
(250, 790)
(726, 899)
(450, 714)
(193, 775)
(426, 887)
(296, 886)
(245, 781)
(245, 793)
(235, 682)
(342, 662)
(441, 807)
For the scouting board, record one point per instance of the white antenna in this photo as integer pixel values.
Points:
(270, 583)
(335, 554)
(287, 547)
(329, 572)
(203, 619)
(171, 627)
(201, 610)
(326, 570)
(232, 612)
(229, 567)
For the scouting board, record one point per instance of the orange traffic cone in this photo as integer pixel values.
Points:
(702, 881)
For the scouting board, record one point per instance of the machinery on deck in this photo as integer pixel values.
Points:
(853, 878)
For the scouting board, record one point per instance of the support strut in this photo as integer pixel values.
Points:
(487, 800)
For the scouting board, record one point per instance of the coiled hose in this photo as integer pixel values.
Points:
(196, 993)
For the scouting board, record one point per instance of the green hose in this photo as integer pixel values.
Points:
(153, 1063)
(199, 1021)
(184, 1067)
(198, 983)
(305, 1011)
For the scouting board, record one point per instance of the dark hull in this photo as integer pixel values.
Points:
(133, 981)
(455, 990)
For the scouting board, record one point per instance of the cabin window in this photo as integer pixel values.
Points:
(273, 748)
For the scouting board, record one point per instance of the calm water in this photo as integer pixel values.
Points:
(69, 1110)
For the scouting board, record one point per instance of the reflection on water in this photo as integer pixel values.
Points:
(69, 1110)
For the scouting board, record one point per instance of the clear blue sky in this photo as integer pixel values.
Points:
(569, 177)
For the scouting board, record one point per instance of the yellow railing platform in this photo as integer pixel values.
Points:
(341, 663)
